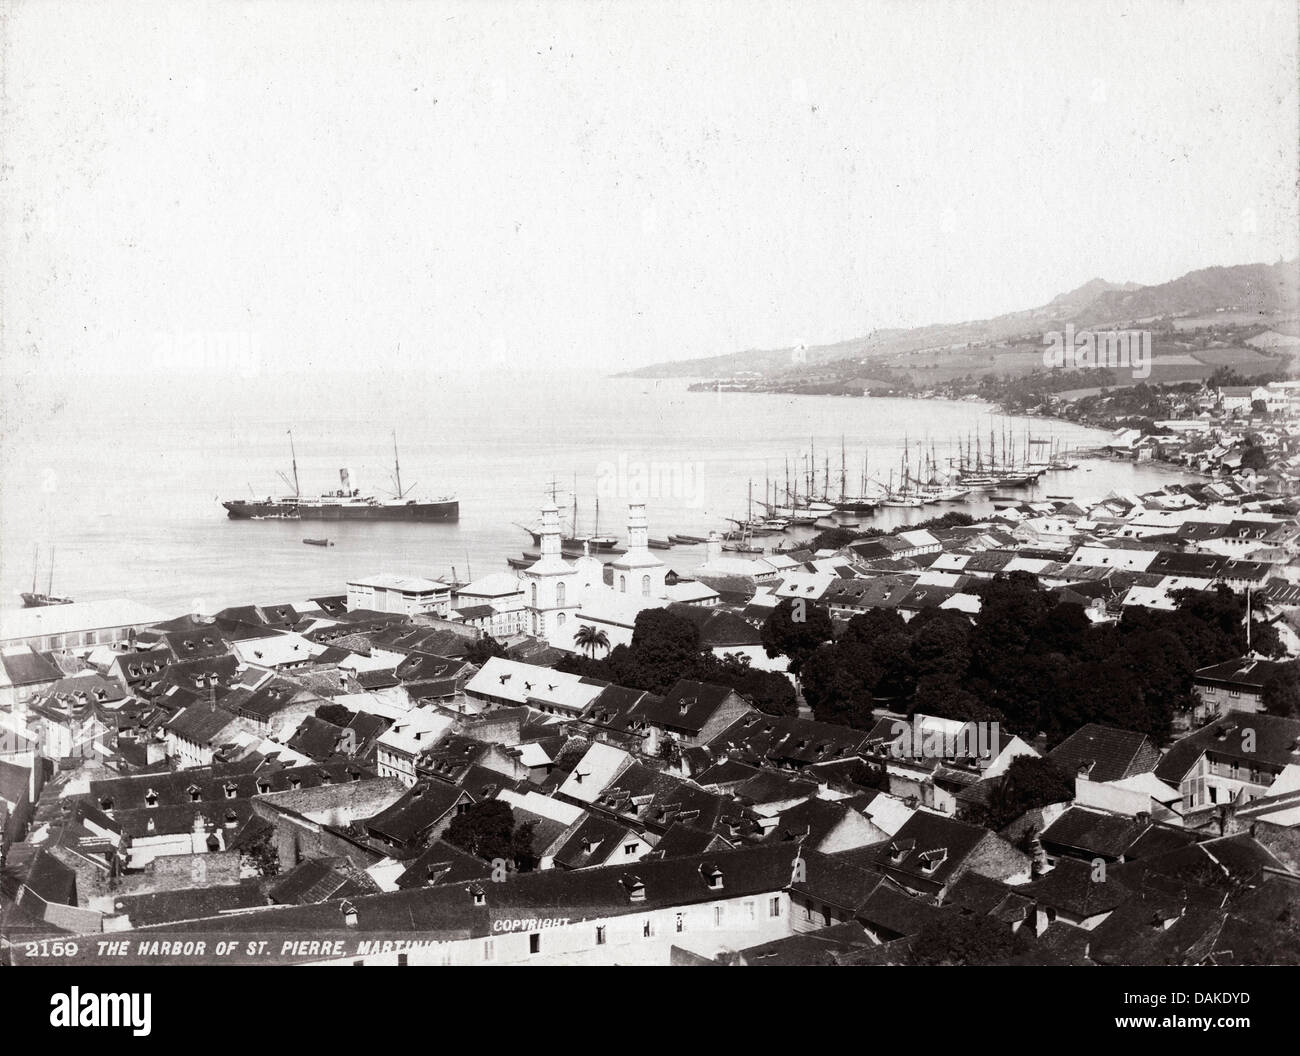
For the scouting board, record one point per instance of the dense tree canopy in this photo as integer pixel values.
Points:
(666, 647)
(1031, 662)
(488, 830)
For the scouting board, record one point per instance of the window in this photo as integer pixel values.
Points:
(622, 584)
(629, 848)
(826, 915)
(774, 906)
(559, 593)
(645, 585)
(717, 916)
(402, 960)
(648, 929)
(681, 922)
(488, 950)
(535, 943)
(807, 911)
(534, 595)
(749, 910)
(600, 935)
(559, 620)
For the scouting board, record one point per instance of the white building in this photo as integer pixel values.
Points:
(408, 595)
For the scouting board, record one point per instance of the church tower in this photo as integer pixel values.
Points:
(638, 571)
(550, 583)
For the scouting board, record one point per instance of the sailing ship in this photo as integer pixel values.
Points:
(34, 600)
(575, 541)
(346, 503)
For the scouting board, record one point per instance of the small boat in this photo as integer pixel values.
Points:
(34, 600)
(659, 544)
(318, 542)
(687, 540)
(518, 562)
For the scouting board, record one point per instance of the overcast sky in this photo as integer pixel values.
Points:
(523, 184)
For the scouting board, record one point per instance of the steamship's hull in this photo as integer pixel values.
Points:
(272, 510)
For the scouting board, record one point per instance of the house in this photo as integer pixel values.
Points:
(931, 852)
(79, 625)
(421, 815)
(1234, 685)
(196, 734)
(1104, 753)
(24, 673)
(509, 683)
(700, 906)
(1231, 761)
(405, 595)
(399, 748)
(691, 712)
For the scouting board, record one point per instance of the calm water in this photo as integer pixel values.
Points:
(122, 477)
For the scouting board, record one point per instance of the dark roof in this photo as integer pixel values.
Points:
(927, 849)
(316, 738)
(1276, 743)
(592, 842)
(465, 910)
(320, 879)
(442, 863)
(1094, 832)
(200, 723)
(405, 821)
(1247, 671)
(166, 907)
(1070, 888)
(1106, 753)
(27, 668)
(790, 740)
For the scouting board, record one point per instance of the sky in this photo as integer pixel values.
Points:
(320, 186)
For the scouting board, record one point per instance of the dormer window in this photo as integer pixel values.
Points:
(231, 790)
(931, 860)
(479, 896)
(349, 914)
(195, 793)
(151, 798)
(106, 803)
(264, 787)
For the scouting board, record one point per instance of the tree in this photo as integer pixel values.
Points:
(574, 749)
(263, 855)
(839, 683)
(1029, 783)
(963, 938)
(521, 848)
(837, 538)
(590, 639)
(669, 750)
(486, 830)
(794, 629)
(1281, 691)
(1255, 458)
(484, 649)
(335, 713)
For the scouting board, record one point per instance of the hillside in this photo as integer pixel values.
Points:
(1247, 289)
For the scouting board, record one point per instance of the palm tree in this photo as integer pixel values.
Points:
(590, 639)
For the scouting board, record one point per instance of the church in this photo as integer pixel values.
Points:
(555, 588)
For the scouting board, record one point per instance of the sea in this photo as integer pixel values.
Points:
(115, 483)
